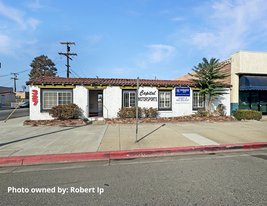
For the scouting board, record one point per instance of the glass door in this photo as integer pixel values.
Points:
(263, 102)
(100, 104)
(255, 101)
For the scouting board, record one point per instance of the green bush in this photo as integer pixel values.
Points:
(150, 112)
(125, 112)
(202, 113)
(247, 114)
(68, 111)
(153, 112)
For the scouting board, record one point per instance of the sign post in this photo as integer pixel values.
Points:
(136, 106)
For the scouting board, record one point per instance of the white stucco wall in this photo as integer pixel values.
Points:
(111, 101)
(35, 110)
(224, 99)
(80, 98)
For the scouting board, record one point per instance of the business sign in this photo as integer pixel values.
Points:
(34, 96)
(182, 92)
(147, 96)
(182, 100)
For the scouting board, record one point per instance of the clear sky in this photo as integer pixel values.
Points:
(127, 38)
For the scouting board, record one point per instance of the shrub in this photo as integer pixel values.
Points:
(68, 111)
(202, 113)
(220, 110)
(153, 112)
(125, 112)
(71, 111)
(56, 112)
(146, 112)
(247, 114)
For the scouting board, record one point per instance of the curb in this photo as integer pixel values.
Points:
(124, 154)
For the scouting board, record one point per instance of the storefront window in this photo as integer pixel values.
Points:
(198, 100)
(128, 98)
(56, 98)
(165, 100)
(244, 100)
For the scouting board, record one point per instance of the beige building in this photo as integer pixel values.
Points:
(22, 95)
(248, 77)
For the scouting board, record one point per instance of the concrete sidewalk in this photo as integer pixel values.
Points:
(19, 140)
(87, 142)
(183, 134)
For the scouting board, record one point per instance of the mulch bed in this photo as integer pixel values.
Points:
(72, 122)
(69, 122)
(171, 119)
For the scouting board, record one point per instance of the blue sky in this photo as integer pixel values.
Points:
(127, 38)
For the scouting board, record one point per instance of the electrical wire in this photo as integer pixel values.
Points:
(79, 66)
(75, 73)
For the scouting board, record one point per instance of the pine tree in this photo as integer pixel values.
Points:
(208, 76)
(42, 66)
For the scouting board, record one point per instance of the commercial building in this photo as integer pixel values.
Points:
(248, 76)
(101, 97)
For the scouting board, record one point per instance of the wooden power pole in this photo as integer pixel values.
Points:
(67, 55)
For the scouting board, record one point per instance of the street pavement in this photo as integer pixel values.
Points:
(5, 111)
(237, 178)
(19, 140)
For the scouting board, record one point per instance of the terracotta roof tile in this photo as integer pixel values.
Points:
(226, 70)
(6, 92)
(107, 81)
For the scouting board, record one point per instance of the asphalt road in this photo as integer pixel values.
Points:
(20, 112)
(211, 179)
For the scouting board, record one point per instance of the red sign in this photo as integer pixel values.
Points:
(34, 96)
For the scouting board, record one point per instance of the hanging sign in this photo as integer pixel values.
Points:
(182, 92)
(34, 96)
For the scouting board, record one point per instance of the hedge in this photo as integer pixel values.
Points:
(247, 114)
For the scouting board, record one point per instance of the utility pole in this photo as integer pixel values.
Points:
(67, 55)
(15, 78)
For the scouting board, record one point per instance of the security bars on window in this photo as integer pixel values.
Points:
(51, 99)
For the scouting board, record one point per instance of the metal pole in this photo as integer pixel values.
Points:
(136, 106)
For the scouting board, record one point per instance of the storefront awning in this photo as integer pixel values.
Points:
(253, 83)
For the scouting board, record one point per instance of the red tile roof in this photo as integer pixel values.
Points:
(108, 81)
(6, 92)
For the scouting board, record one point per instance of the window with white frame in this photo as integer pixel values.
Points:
(56, 98)
(198, 100)
(128, 98)
(165, 98)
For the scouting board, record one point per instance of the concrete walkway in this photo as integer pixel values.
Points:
(18, 140)
(183, 134)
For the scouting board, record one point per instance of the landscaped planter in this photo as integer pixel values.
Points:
(54, 122)
(170, 119)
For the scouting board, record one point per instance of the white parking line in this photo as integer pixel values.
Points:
(199, 139)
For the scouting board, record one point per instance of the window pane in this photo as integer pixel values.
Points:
(167, 99)
(50, 100)
(126, 99)
(161, 100)
(132, 99)
(201, 100)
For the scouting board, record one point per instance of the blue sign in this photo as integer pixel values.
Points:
(182, 91)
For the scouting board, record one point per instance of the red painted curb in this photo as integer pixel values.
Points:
(125, 154)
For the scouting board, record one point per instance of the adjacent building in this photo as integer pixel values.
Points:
(248, 76)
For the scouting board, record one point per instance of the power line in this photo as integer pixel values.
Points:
(79, 66)
(75, 73)
(67, 55)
